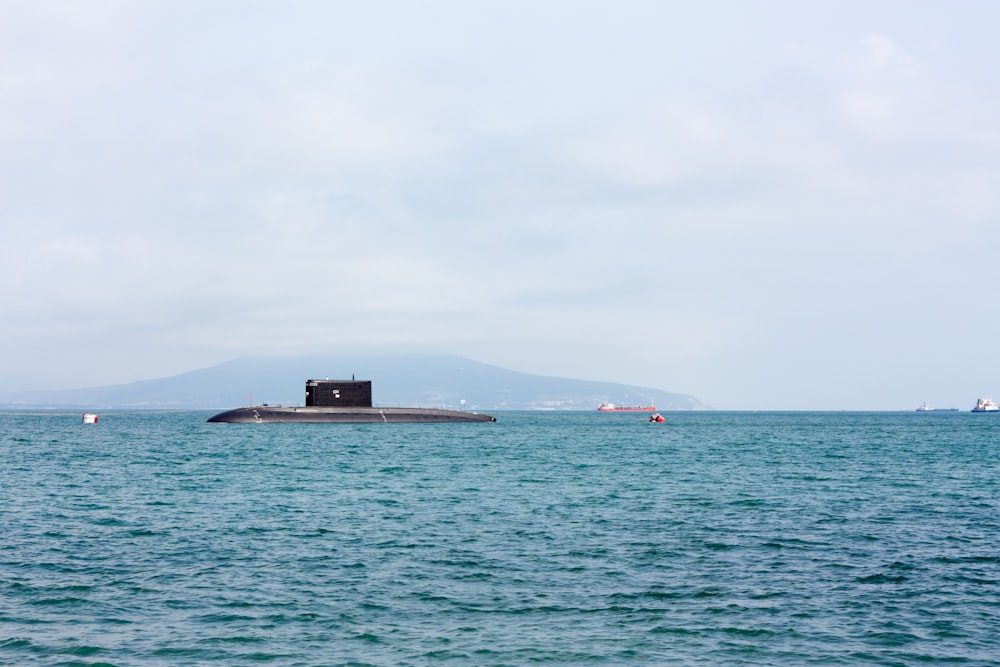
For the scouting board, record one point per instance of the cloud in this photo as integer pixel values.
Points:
(657, 147)
(882, 53)
(879, 79)
(872, 110)
(640, 192)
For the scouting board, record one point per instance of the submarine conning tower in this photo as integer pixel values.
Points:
(339, 393)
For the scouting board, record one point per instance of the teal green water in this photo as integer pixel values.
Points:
(553, 538)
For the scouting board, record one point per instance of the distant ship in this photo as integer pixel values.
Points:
(343, 402)
(611, 407)
(923, 407)
(986, 405)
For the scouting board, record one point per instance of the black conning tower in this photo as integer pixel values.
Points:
(339, 393)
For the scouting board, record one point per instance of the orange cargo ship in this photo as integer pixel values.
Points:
(611, 407)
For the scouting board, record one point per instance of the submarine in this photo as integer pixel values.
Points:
(343, 402)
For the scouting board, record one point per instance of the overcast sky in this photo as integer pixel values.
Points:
(768, 205)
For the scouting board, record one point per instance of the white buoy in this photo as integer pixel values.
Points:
(89, 418)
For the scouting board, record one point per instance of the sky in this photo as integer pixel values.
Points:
(767, 205)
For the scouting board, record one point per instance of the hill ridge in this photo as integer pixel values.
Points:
(414, 380)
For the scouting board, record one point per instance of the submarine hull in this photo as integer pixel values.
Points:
(347, 415)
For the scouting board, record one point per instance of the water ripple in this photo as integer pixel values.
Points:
(810, 539)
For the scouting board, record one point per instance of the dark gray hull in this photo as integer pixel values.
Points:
(328, 415)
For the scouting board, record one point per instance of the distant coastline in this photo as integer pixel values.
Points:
(431, 381)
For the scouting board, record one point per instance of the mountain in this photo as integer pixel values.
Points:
(410, 380)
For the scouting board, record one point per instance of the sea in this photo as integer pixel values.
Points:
(546, 538)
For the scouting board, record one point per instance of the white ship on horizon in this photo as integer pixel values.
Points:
(986, 405)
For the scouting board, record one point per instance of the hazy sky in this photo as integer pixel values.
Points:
(769, 205)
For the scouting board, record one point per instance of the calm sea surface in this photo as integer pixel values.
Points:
(559, 538)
